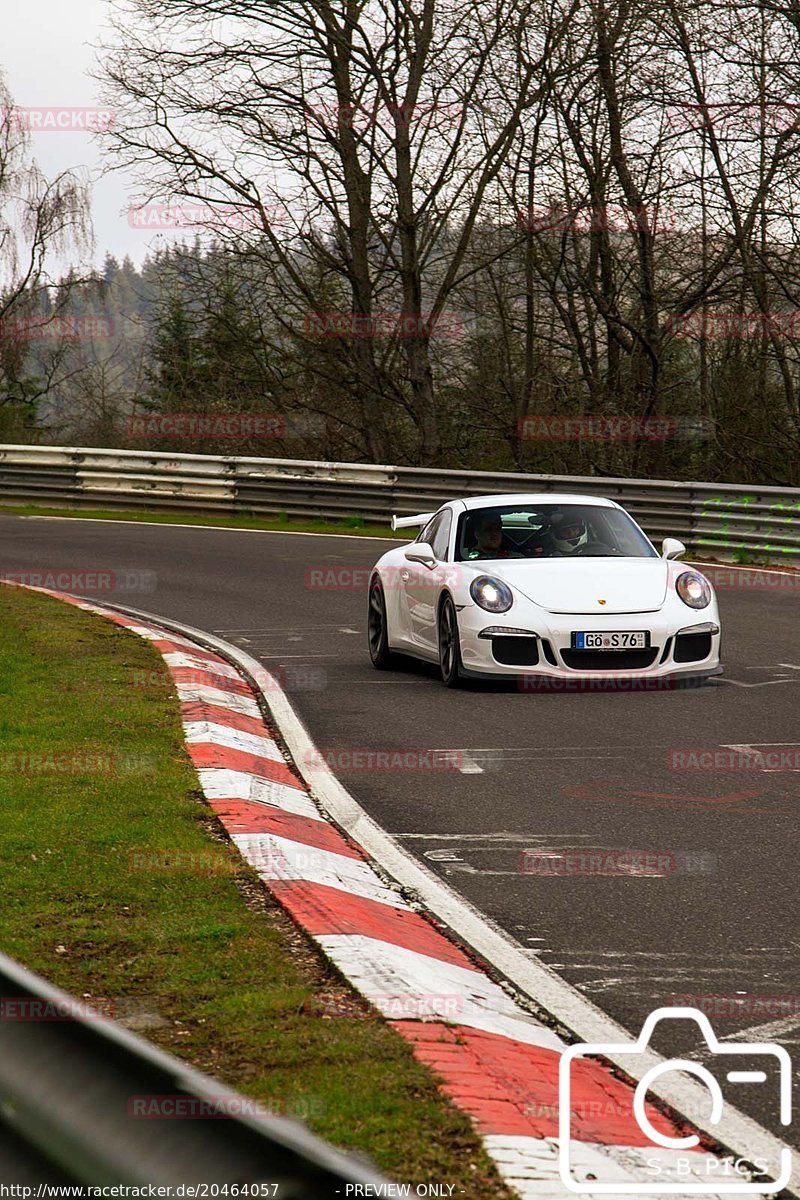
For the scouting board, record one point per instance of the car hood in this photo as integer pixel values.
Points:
(578, 585)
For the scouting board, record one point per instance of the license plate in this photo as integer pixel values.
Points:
(637, 640)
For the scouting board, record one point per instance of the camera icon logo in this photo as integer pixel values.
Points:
(691, 1172)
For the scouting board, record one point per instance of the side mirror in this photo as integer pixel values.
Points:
(672, 548)
(421, 552)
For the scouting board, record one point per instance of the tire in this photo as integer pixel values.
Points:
(377, 629)
(449, 645)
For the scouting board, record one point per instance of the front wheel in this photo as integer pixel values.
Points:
(378, 629)
(449, 645)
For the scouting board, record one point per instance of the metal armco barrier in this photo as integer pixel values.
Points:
(718, 518)
(82, 1101)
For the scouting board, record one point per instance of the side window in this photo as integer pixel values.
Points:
(441, 536)
(428, 533)
(462, 543)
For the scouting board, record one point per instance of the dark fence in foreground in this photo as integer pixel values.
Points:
(84, 1101)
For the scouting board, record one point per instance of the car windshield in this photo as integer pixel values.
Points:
(550, 531)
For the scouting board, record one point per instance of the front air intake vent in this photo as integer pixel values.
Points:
(609, 660)
(516, 651)
(692, 647)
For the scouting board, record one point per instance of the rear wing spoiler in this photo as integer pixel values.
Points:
(407, 522)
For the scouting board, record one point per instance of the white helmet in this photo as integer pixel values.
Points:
(569, 533)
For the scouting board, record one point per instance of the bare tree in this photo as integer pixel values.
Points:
(745, 116)
(377, 128)
(39, 218)
(658, 183)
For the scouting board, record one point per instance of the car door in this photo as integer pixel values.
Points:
(423, 585)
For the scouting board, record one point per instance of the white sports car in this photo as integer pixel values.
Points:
(551, 587)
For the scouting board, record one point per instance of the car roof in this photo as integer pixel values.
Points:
(528, 498)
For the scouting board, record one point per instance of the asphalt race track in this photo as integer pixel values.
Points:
(531, 773)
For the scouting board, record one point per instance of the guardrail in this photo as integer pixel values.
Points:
(70, 1084)
(719, 519)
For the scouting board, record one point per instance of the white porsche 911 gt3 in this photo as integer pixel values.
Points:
(550, 586)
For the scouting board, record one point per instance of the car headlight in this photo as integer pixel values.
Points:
(491, 594)
(693, 589)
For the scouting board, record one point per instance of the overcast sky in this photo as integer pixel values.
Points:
(46, 53)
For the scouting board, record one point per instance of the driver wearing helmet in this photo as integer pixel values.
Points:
(569, 533)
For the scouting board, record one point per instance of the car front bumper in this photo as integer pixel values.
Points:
(551, 656)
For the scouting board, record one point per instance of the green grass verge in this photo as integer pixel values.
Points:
(279, 523)
(202, 960)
